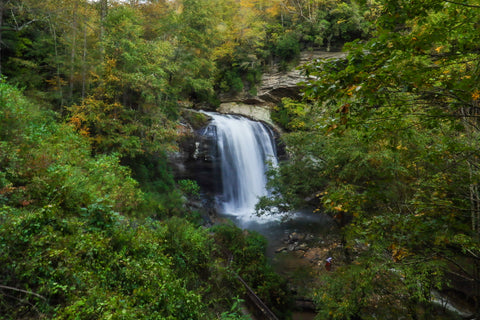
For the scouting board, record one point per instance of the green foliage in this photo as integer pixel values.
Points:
(194, 32)
(246, 250)
(287, 47)
(240, 38)
(290, 115)
(162, 197)
(346, 23)
(235, 313)
(152, 172)
(46, 163)
(231, 81)
(131, 110)
(190, 188)
(190, 249)
(314, 24)
(110, 270)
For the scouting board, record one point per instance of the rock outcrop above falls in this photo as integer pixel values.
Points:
(256, 112)
(277, 84)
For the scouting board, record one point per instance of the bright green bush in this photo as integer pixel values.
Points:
(90, 268)
(290, 114)
(190, 188)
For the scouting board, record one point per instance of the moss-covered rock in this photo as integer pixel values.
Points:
(195, 119)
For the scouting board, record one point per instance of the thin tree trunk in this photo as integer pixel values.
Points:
(84, 62)
(103, 15)
(58, 78)
(473, 213)
(2, 8)
(474, 197)
(73, 51)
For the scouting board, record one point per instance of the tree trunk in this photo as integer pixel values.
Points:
(57, 63)
(103, 15)
(84, 62)
(470, 122)
(73, 50)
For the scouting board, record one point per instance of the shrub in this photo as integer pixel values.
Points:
(246, 251)
(287, 47)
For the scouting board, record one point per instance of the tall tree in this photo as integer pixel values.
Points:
(194, 41)
(131, 110)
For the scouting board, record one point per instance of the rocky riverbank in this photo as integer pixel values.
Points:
(301, 259)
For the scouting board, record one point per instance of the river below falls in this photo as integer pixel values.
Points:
(299, 266)
(276, 230)
(240, 153)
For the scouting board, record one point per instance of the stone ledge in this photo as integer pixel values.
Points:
(254, 112)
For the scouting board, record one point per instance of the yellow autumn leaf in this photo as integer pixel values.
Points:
(476, 95)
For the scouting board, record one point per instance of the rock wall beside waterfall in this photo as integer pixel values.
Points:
(196, 156)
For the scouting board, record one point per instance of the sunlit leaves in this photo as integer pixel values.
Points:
(290, 115)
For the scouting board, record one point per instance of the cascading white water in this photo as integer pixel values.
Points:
(246, 148)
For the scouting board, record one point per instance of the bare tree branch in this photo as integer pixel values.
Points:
(24, 291)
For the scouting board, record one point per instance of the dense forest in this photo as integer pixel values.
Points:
(94, 225)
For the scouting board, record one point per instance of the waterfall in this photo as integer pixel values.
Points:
(245, 149)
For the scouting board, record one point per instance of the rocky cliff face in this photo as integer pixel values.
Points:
(196, 157)
(276, 84)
